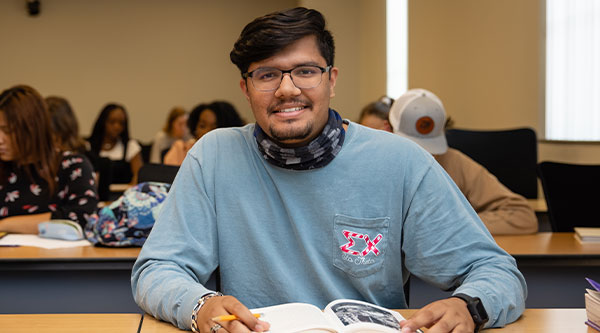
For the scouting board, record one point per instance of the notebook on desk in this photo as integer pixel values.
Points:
(586, 235)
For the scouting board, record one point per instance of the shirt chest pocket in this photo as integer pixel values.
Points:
(359, 244)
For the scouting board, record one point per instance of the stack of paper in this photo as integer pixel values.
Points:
(587, 234)
(592, 305)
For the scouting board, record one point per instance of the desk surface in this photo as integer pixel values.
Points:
(543, 243)
(533, 320)
(547, 244)
(65, 323)
(83, 252)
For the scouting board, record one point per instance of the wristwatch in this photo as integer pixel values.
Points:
(476, 309)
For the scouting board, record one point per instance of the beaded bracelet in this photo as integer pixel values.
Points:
(199, 305)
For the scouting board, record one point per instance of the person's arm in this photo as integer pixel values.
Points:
(136, 164)
(502, 211)
(23, 224)
(181, 252)
(176, 153)
(78, 193)
(446, 245)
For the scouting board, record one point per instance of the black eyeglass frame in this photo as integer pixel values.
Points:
(288, 71)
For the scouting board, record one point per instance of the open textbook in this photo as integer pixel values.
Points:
(343, 315)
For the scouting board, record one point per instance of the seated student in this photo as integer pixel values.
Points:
(65, 128)
(110, 139)
(303, 206)
(174, 129)
(39, 181)
(420, 116)
(203, 119)
(375, 114)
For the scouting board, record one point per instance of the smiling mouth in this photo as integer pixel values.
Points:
(289, 110)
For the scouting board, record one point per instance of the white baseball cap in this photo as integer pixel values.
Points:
(420, 116)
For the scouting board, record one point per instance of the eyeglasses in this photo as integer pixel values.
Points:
(303, 77)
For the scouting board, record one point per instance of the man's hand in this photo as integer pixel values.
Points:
(226, 305)
(447, 315)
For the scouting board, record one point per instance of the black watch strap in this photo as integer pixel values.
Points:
(476, 309)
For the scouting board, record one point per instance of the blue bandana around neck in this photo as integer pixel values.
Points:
(317, 154)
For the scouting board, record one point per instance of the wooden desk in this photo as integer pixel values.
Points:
(532, 320)
(66, 323)
(73, 280)
(554, 266)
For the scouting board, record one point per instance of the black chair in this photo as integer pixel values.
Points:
(146, 150)
(510, 155)
(104, 170)
(572, 193)
(157, 173)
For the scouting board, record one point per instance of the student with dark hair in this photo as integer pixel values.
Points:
(375, 114)
(64, 125)
(174, 129)
(283, 208)
(110, 139)
(39, 180)
(203, 119)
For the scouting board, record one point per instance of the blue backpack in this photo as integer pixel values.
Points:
(128, 220)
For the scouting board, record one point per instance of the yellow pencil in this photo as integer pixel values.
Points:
(232, 317)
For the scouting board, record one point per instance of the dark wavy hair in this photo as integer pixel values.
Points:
(225, 112)
(269, 34)
(64, 125)
(380, 108)
(97, 135)
(28, 124)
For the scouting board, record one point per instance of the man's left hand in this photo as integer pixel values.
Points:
(447, 315)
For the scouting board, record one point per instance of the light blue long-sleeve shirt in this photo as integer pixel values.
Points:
(352, 229)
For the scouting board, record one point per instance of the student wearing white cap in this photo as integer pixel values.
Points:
(419, 115)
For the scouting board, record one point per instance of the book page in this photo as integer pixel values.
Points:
(295, 317)
(357, 316)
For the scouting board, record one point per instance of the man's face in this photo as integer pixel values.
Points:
(290, 115)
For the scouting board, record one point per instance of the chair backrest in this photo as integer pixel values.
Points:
(572, 192)
(104, 171)
(510, 155)
(146, 149)
(157, 173)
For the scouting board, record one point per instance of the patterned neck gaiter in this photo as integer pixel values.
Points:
(318, 153)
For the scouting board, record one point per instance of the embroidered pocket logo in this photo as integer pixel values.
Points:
(370, 245)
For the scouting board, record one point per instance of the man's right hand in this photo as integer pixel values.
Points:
(228, 305)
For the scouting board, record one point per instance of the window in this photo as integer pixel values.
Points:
(573, 70)
(397, 47)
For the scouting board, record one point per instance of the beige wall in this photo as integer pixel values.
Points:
(146, 54)
(151, 55)
(485, 60)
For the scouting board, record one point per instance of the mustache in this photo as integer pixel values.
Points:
(294, 101)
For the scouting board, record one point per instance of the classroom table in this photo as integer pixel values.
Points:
(554, 266)
(67, 323)
(70, 280)
(532, 320)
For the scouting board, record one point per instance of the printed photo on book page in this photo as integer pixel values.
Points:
(342, 316)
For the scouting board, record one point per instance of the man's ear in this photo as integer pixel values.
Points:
(244, 88)
(333, 73)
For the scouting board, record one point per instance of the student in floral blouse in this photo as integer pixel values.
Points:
(38, 181)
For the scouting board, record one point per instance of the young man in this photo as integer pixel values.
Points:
(419, 115)
(305, 207)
